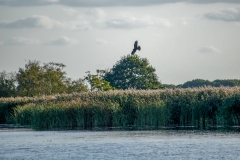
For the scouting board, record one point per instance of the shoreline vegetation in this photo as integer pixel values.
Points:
(201, 108)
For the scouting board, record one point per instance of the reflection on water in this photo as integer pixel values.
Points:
(156, 144)
(131, 127)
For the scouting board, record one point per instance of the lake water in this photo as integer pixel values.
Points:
(170, 144)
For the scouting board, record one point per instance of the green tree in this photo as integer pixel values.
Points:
(133, 72)
(36, 79)
(226, 82)
(30, 79)
(197, 83)
(172, 86)
(7, 84)
(54, 78)
(97, 83)
(76, 86)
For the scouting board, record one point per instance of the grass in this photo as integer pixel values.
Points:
(199, 107)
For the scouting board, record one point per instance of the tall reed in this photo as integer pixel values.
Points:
(200, 107)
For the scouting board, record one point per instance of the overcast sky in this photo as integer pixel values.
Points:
(183, 40)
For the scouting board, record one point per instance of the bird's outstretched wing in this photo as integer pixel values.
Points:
(135, 44)
(139, 48)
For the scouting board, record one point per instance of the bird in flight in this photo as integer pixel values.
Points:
(136, 47)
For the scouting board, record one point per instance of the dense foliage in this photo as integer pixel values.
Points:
(198, 107)
(201, 83)
(97, 83)
(226, 82)
(196, 83)
(133, 72)
(7, 84)
(36, 79)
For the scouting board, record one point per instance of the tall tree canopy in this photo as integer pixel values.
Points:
(196, 83)
(97, 83)
(7, 84)
(133, 72)
(215, 83)
(48, 79)
(35, 79)
(226, 82)
(78, 85)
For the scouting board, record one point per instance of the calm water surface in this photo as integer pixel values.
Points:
(29, 144)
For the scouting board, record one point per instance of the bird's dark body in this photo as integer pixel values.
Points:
(136, 47)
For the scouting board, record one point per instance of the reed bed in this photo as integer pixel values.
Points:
(198, 107)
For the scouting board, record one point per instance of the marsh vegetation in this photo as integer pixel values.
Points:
(197, 107)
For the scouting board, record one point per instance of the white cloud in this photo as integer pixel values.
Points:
(44, 22)
(62, 41)
(101, 41)
(94, 18)
(154, 21)
(80, 24)
(122, 23)
(184, 21)
(132, 22)
(69, 11)
(22, 41)
(229, 15)
(35, 21)
(96, 13)
(28, 2)
(91, 18)
(98, 18)
(209, 49)
(27, 41)
(1, 43)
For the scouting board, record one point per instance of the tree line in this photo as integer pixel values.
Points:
(50, 78)
(133, 72)
(39, 79)
(201, 83)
